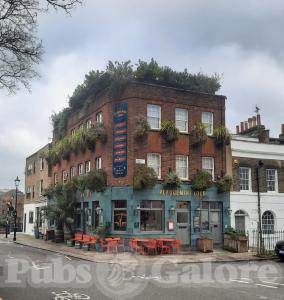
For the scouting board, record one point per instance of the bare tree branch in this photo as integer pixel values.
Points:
(20, 48)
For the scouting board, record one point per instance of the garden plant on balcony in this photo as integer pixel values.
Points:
(198, 135)
(169, 131)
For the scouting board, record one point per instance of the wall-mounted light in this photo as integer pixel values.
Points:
(198, 209)
(137, 209)
(172, 209)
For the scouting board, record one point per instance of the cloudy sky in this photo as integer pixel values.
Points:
(242, 40)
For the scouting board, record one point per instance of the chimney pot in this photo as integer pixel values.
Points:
(258, 121)
(238, 129)
(242, 127)
(254, 121)
(246, 125)
(249, 122)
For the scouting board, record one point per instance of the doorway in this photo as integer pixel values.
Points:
(183, 222)
(240, 220)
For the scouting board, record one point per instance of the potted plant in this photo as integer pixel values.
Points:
(222, 136)
(101, 232)
(205, 242)
(224, 184)
(142, 128)
(144, 177)
(172, 180)
(201, 181)
(169, 131)
(198, 134)
(235, 241)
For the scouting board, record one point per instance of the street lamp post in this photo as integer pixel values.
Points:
(17, 182)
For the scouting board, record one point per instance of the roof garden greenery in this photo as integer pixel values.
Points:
(115, 78)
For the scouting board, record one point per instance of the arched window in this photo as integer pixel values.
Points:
(268, 222)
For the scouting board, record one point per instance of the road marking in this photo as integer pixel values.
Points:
(245, 278)
(67, 257)
(240, 281)
(268, 286)
(269, 282)
(9, 255)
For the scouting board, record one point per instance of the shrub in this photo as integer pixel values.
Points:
(169, 131)
(172, 180)
(142, 128)
(144, 177)
(102, 231)
(198, 135)
(201, 181)
(96, 181)
(222, 136)
(224, 184)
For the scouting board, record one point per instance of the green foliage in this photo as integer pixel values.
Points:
(222, 136)
(96, 181)
(198, 135)
(82, 140)
(115, 78)
(206, 236)
(224, 184)
(102, 231)
(201, 181)
(172, 180)
(144, 177)
(142, 128)
(169, 131)
(234, 233)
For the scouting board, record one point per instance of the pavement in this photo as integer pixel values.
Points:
(218, 255)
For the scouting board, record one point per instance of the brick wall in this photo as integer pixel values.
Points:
(138, 96)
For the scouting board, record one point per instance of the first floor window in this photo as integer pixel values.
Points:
(28, 192)
(154, 161)
(80, 169)
(182, 166)
(268, 222)
(151, 215)
(182, 119)
(72, 172)
(41, 187)
(98, 163)
(271, 180)
(64, 176)
(88, 166)
(55, 178)
(41, 164)
(99, 117)
(119, 215)
(31, 217)
(207, 120)
(208, 165)
(154, 116)
(89, 124)
(244, 179)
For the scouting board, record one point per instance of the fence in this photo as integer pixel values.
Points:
(266, 245)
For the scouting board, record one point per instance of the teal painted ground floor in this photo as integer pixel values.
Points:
(157, 212)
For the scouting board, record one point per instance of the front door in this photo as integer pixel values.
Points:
(215, 226)
(240, 223)
(183, 222)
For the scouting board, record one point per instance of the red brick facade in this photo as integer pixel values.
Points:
(138, 95)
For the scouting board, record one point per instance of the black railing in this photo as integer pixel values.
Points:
(264, 244)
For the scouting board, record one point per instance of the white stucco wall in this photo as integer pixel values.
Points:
(27, 209)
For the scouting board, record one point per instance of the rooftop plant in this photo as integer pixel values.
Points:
(169, 131)
(144, 177)
(115, 78)
(201, 181)
(198, 135)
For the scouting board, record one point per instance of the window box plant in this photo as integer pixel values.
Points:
(222, 136)
(224, 184)
(144, 177)
(142, 128)
(169, 131)
(205, 243)
(172, 180)
(201, 181)
(198, 135)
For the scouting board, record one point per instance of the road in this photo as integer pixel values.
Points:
(32, 274)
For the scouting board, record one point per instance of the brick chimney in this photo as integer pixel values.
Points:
(237, 129)
(249, 122)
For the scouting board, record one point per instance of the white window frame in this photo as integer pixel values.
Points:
(275, 180)
(64, 176)
(88, 166)
(150, 160)
(151, 115)
(178, 119)
(207, 118)
(249, 179)
(72, 171)
(98, 163)
(99, 117)
(41, 164)
(55, 178)
(89, 124)
(204, 167)
(182, 158)
(80, 169)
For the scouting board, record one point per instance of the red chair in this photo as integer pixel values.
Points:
(176, 245)
(135, 248)
(163, 248)
(120, 245)
(112, 246)
(151, 246)
(92, 241)
(103, 245)
(77, 237)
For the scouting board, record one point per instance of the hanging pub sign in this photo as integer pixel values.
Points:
(120, 128)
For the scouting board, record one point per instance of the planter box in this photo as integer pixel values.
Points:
(77, 245)
(240, 245)
(205, 245)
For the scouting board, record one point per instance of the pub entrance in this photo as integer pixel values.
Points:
(183, 222)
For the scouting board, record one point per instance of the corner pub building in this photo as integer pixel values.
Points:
(156, 212)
